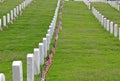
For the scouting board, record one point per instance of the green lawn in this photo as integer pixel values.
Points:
(85, 51)
(8, 5)
(24, 35)
(108, 11)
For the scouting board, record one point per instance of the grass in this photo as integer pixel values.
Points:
(24, 35)
(85, 51)
(8, 5)
(108, 11)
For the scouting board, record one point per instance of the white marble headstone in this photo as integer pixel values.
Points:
(17, 10)
(30, 67)
(41, 52)
(115, 30)
(111, 27)
(105, 23)
(119, 33)
(12, 15)
(45, 47)
(36, 61)
(15, 14)
(48, 41)
(2, 77)
(108, 25)
(102, 20)
(0, 23)
(17, 71)
(4, 21)
(8, 18)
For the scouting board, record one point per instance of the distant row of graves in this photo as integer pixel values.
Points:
(106, 23)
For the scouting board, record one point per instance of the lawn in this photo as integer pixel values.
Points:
(108, 11)
(24, 35)
(85, 51)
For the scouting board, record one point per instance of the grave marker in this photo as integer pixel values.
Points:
(2, 77)
(119, 33)
(4, 21)
(12, 15)
(102, 20)
(30, 67)
(45, 47)
(111, 27)
(115, 30)
(41, 52)
(17, 71)
(105, 23)
(15, 15)
(17, 8)
(48, 41)
(36, 61)
(108, 25)
(0, 25)
(8, 18)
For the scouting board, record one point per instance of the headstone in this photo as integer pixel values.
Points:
(48, 41)
(102, 20)
(4, 21)
(15, 14)
(105, 23)
(115, 30)
(2, 77)
(24, 4)
(89, 5)
(49, 32)
(108, 25)
(45, 47)
(12, 15)
(41, 52)
(36, 61)
(119, 33)
(99, 17)
(17, 8)
(17, 71)
(111, 27)
(30, 67)
(8, 18)
(20, 9)
(0, 25)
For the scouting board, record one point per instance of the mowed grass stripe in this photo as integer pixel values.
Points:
(25, 34)
(109, 12)
(85, 51)
(8, 5)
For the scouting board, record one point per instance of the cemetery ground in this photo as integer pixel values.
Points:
(85, 50)
(108, 11)
(7, 5)
(24, 35)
